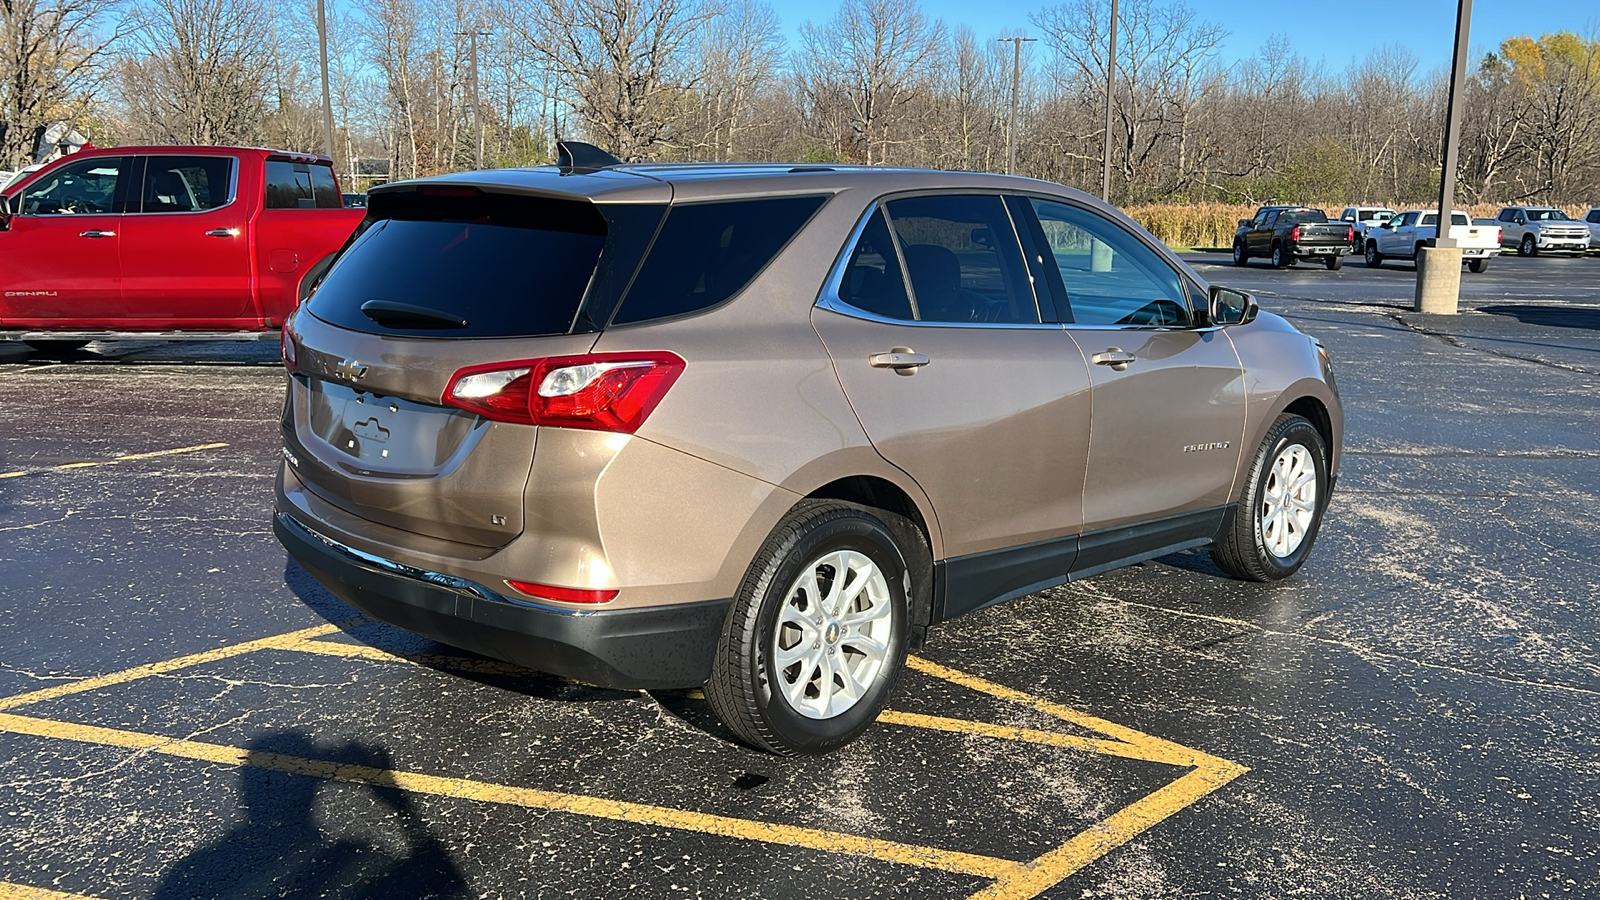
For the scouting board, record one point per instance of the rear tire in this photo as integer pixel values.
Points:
(1240, 257)
(1281, 259)
(1373, 258)
(1281, 508)
(817, 635)
(1334, 263)
(1476, 266)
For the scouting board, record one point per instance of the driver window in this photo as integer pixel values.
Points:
(78, 188)
(1111, 277)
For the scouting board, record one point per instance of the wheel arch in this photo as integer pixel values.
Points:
(880, 493)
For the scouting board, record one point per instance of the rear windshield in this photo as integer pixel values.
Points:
(1375, 215)
(508, 269)
(1302, 217)
(1457, 219)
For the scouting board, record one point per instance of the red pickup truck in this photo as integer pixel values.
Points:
(165, 243)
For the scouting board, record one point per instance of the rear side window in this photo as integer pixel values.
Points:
(707, 252)
(504, 266)
(292, 185)
(186, 183)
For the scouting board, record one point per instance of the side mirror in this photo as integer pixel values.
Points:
(981, 237)
(1246, 223)
(1226, 306)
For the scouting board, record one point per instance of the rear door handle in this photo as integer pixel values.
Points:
(223, 232)
(96, 234)
(903, 360)
(1115, 357)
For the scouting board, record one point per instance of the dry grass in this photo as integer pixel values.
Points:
(1213, 224)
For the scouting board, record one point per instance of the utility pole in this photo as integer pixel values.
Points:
(1439, 263)
(327, 101)
(477, 116)
(1111, 79)
(1016, 89)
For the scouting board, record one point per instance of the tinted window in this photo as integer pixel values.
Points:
(963, 260)
(83, 187)
(508, 266)
(1506, 215)
(1547, 215)
(1111, 277)
(1456, 219)
(292, 185)
(707, 252)
(186, 183)
(1594, 216)
(1302, 217)
(873, 280)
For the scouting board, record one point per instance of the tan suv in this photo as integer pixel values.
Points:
(759, 427)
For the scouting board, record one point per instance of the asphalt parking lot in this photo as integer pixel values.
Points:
(183, 713)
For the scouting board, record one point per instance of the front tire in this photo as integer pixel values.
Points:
(1240, 256)
(817, 634)
(1373, 257)
(1528, 247)
(1280, 511)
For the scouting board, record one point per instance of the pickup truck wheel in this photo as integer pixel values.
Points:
(1373, 257)
(818, 632)
(1528, 247)
(1333, 262)
(1478, 265)
(1281, 259)
(1240, 257)
(56, 346)
(1280, 511)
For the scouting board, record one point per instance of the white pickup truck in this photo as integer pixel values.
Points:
(1363, 219)
(1402, 236)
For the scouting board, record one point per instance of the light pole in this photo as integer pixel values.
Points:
(477, 115)
(1439, 263)
(1016, 89)
(1111, 78)
(327, 100)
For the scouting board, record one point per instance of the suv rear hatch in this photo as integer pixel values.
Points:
(441, 277)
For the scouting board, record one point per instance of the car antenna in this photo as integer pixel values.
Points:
(578, 155)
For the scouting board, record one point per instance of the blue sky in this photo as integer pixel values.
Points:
(1425, 27)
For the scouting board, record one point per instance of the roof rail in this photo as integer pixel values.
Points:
(578, 155)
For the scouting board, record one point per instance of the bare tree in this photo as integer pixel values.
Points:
(51, 56)
(876, 57)
(199, 72)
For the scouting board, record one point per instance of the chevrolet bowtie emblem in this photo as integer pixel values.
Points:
(350, 370)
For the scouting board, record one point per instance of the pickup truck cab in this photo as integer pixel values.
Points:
(1537, 229)
(1363, 219)
(1407, 233)
(1284, 234)
(165, 243)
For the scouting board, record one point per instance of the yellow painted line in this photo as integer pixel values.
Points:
(528, 798)
(9, 891)
(1012, 733)
(127, 457)
(170, 665)
(1109, 833)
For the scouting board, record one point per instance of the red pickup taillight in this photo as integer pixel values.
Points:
(1294, 233)
(597, 391)
(1350, 234)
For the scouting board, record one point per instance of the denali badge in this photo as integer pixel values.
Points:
(1199, 448)
(350, 370)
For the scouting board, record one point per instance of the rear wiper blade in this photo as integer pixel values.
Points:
(388, 312)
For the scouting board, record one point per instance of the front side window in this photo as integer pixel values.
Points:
(962, 260)
(292, 185)
(85, 187)
(1405, 219)
(1110, 276)
(186, 183)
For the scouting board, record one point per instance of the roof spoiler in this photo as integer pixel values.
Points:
(578, 155)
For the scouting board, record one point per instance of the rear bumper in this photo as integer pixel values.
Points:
(643, 648)
(1339, 249)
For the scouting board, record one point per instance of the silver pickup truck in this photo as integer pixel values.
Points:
(1538, 229)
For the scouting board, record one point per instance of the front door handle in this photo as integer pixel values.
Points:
(903, 360)
(96, 234)
(223, 232)
(1115, 357)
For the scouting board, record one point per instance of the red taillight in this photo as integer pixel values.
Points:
(1294, 233)
(1350, 234)
(565, 595)
(286, 342)
(600, 391)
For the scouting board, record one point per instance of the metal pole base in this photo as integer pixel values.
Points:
(1438, 280)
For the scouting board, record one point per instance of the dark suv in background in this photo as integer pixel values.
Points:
(759, 427)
